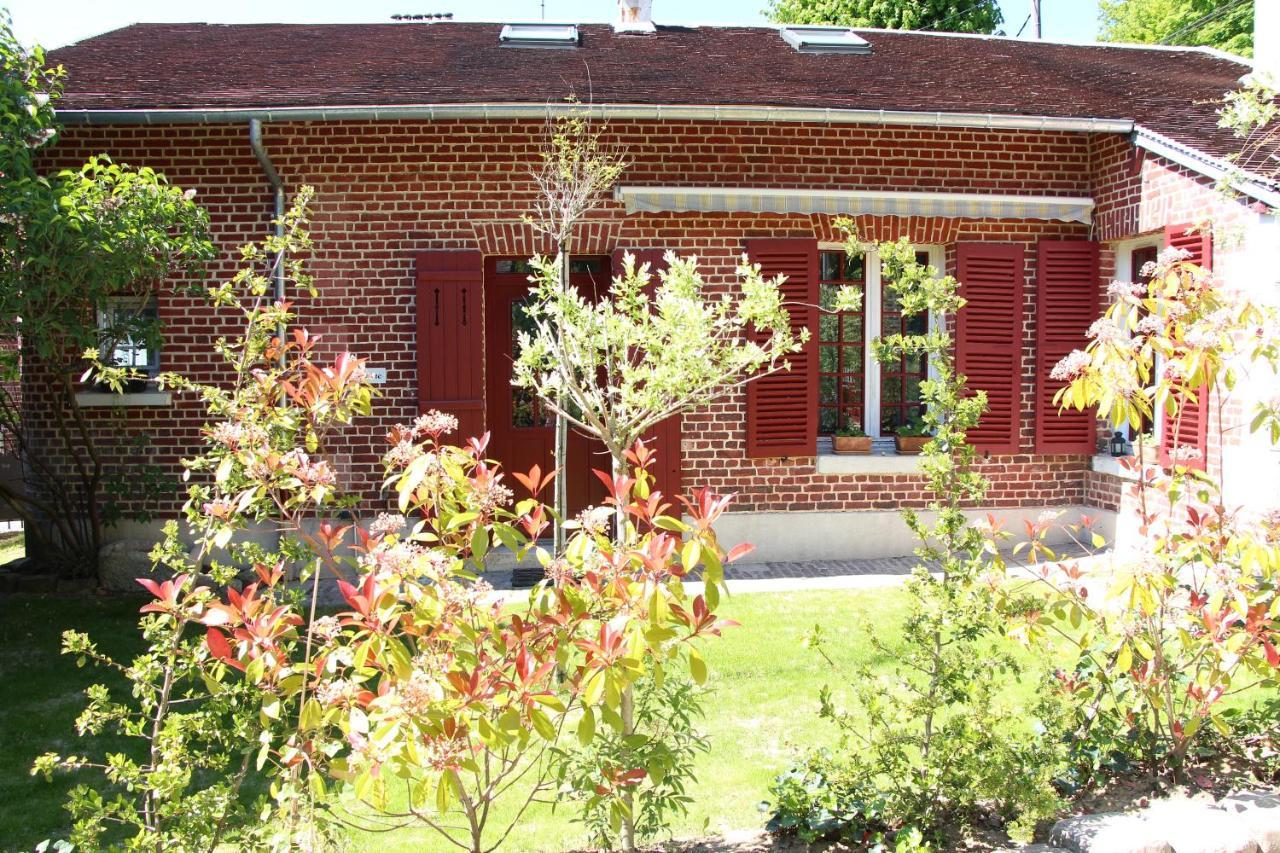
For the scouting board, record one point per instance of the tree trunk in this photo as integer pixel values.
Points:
(561, 492)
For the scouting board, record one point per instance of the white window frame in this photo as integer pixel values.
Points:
(871, 310)
(104, 318)
(1123, 267)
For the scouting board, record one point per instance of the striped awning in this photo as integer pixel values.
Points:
(855, 202)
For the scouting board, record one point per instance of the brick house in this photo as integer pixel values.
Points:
(1035, 172)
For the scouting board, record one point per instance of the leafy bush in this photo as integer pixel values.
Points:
(932, 744)
(1189, 617)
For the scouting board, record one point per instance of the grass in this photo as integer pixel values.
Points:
(12, 547)
(762, 708)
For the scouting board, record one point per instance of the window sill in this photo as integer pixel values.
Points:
(882, 459)
(100, 399)
(1105, 463)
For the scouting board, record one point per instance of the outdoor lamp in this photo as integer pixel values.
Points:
(1118, 444)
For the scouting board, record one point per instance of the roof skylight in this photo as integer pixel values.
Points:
(824, 40)
(539, 35)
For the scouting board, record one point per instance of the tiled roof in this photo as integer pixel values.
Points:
(190, 66)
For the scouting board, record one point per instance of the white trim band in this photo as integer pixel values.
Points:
(1210, 167)
(692, 112)
(640, 199)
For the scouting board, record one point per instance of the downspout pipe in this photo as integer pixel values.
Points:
(277, 188)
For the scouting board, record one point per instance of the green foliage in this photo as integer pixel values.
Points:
(205, 728)
(68, 242)
(930, 743)
(667, 742)
(660, 350)
(956, 16)
(1224, 24)
(1189, 618)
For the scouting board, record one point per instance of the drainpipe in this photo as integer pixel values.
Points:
(277, 187)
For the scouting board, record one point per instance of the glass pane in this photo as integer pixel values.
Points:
(915, 363)
(827, 389)
(851, 394)
(526, 408)
(828, 359)
(855, 268)
(827, 295)
(584, 265)
(913, 389)
(828, 327)
(891, 390)
(850, 417)
(831, 265)
(890, 420)
(922, 258)
(827, 421)
(916, 324)
(852, 359)
(853, 328)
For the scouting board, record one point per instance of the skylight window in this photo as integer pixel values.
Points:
(824, 40)
(539, 35)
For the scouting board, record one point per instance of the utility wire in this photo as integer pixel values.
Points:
(1208, 18)
(1023, 27)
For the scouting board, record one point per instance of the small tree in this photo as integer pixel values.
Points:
(69, 243)
(211, 718)
(1196, 621)
(616, 367)
(929, 743)
(578, 168)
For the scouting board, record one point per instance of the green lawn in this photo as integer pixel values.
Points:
(763, 704)
(12, 547)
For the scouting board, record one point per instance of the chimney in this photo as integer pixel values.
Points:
(1266, 37)
(636, 16)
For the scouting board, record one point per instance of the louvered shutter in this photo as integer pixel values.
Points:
(1066, 305)
(1191, 428)
(782, 408)
(989, 338)
(451, 337)
(666, 436)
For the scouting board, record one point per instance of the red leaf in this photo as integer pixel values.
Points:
(218, 645)
(739, 551)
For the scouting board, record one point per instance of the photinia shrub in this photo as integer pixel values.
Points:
(1188, 617)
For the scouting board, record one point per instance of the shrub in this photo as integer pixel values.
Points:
(1189, 617)
(931, 744)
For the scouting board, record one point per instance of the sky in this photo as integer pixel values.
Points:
(54, 23)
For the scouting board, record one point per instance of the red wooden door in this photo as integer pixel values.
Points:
(522, 432)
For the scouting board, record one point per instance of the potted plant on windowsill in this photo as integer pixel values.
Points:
(851, 440)
(912, 436)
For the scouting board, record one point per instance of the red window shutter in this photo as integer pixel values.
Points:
(665, 437)
(782, 408)
(1066, 305)
(451, 337)
(1191, 427)
(989, 338)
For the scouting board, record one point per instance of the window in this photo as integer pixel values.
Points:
(842, 349)
(1131, 257)
(900, 380)
(853, 389)
(539, 35)
(819, 39)
(122, 322)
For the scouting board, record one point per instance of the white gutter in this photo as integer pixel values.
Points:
(1211, 167)
(442, 112)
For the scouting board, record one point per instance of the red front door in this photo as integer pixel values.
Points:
(522, 432)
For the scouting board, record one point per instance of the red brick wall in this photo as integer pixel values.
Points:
(389, 189)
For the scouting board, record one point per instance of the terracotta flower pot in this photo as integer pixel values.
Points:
(910, 445)
(852, 444)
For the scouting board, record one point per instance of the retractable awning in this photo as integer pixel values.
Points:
(854, 202)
